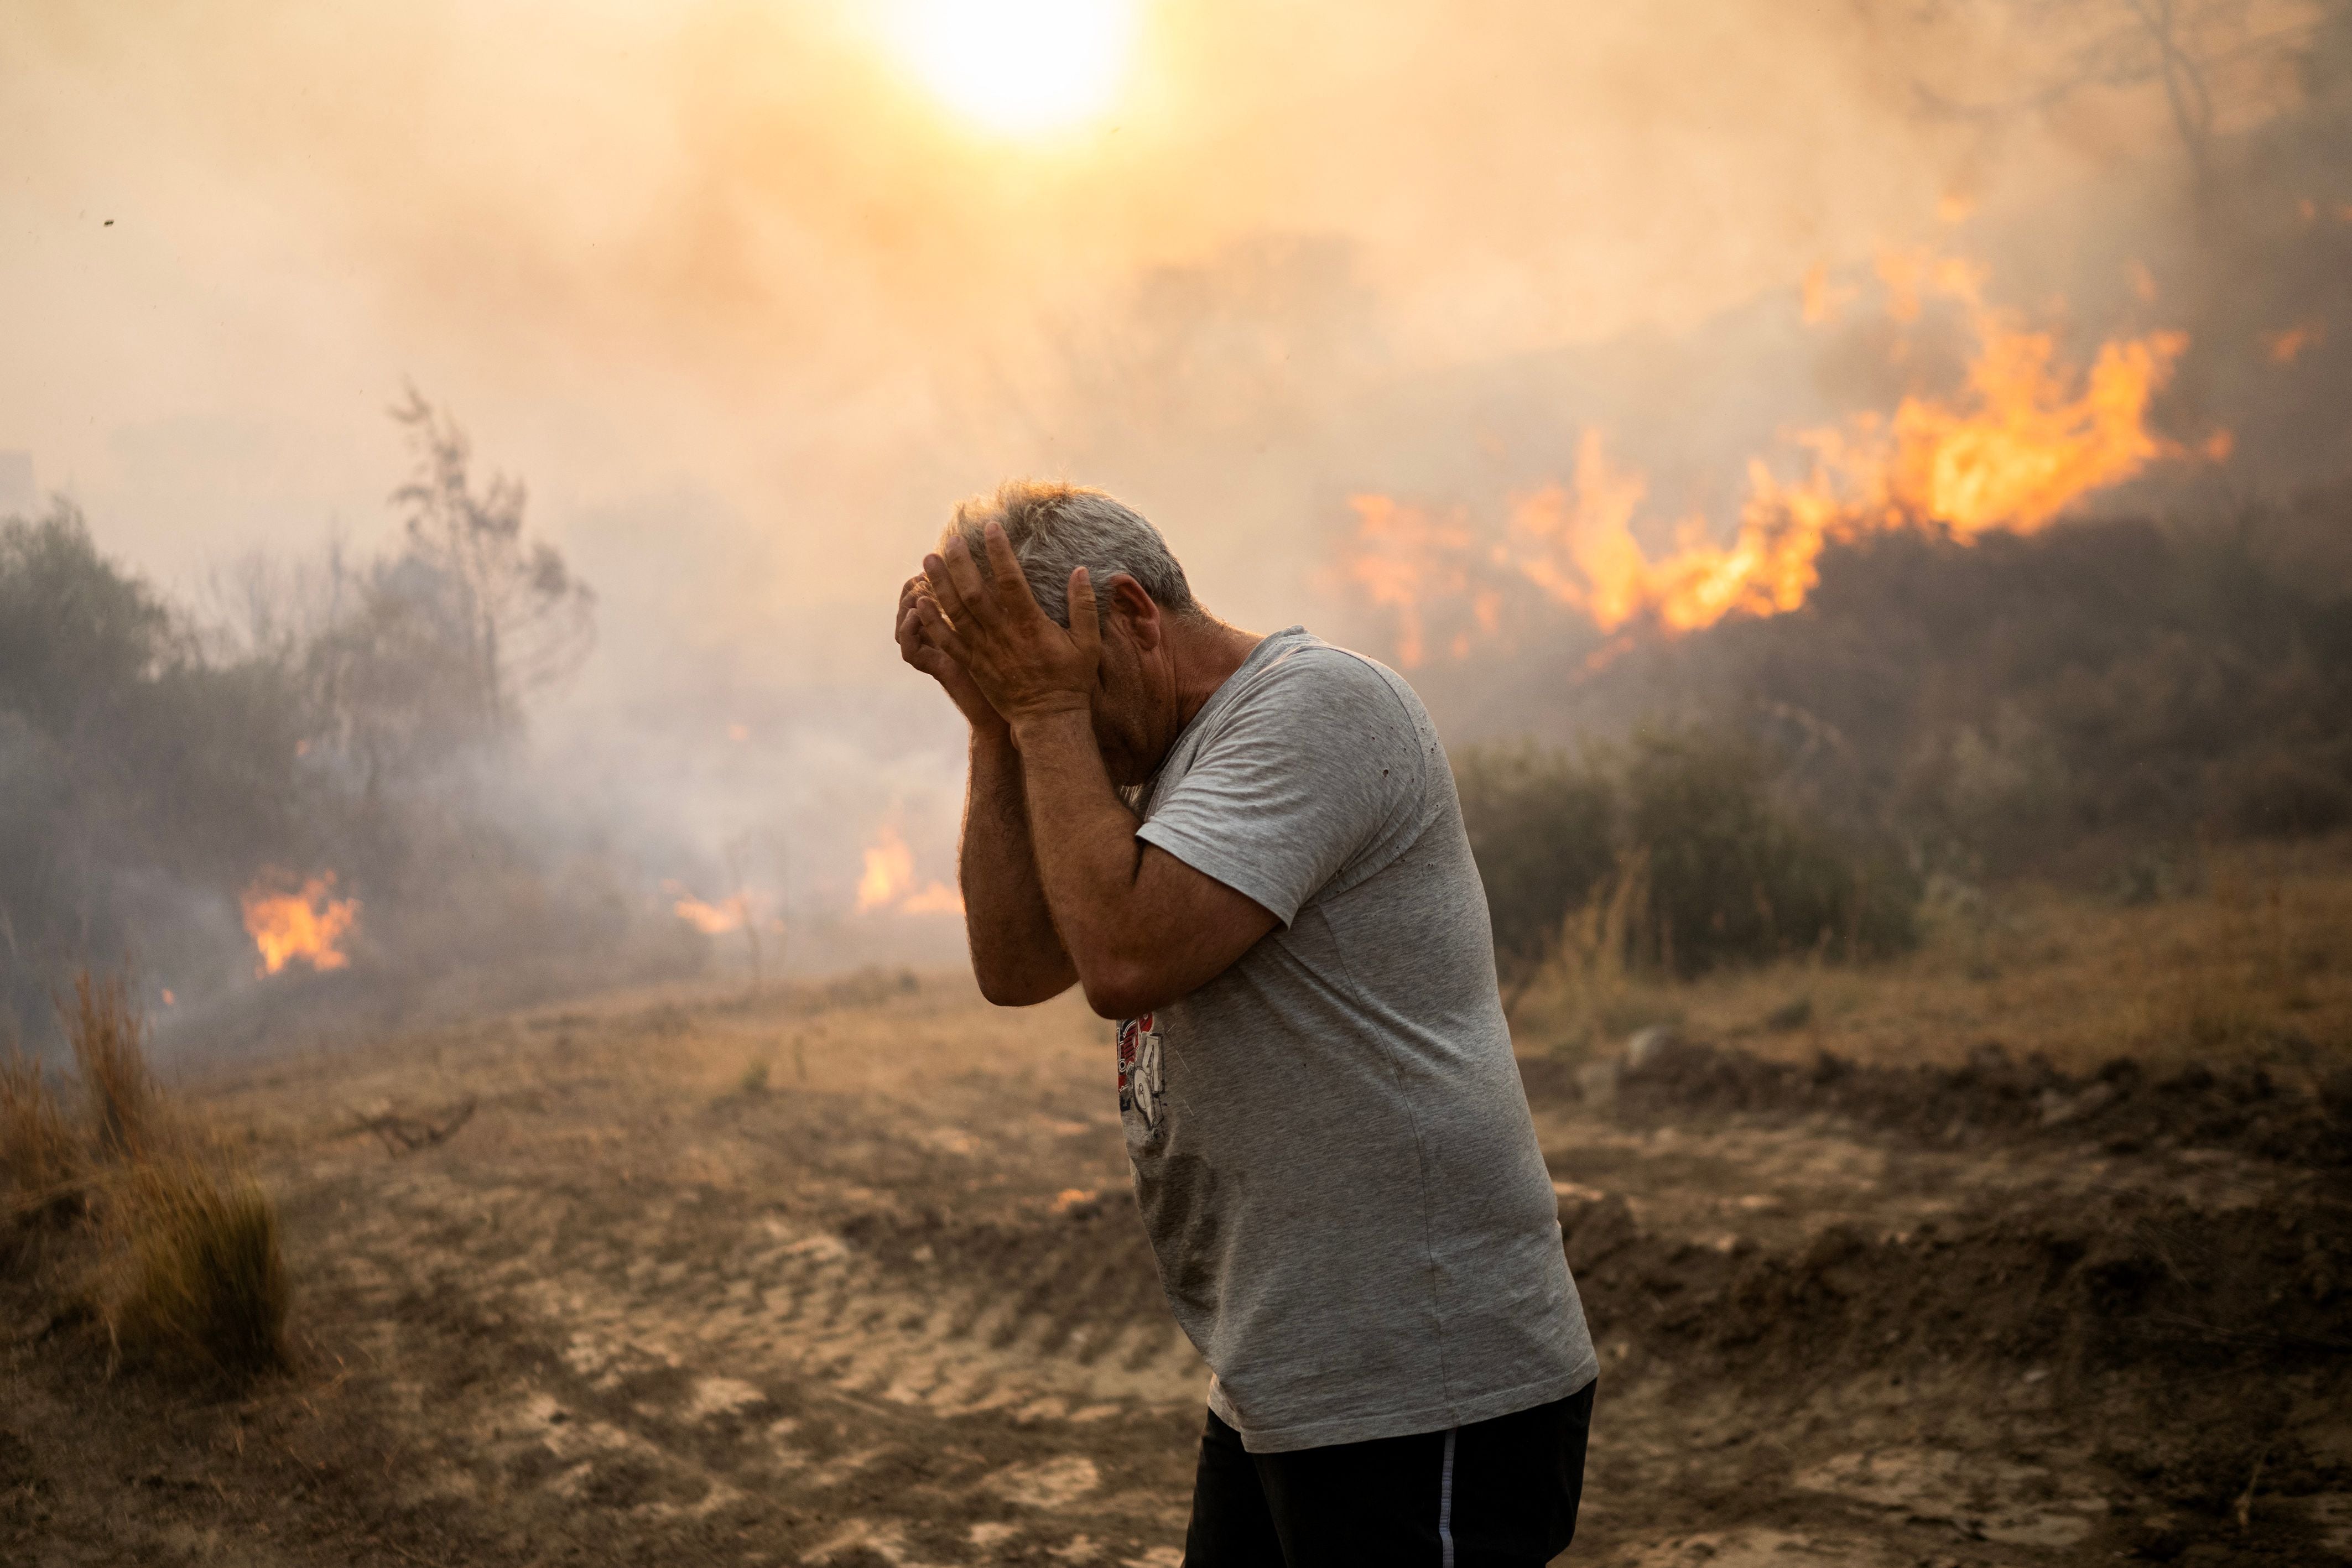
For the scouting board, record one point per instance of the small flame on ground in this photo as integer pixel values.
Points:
(2028, 438)
(710, 919)
(934, 898)
(2283, 347)
(888, 882)
(305, 925)
(169, 999)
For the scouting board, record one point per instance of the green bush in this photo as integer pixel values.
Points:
(1682, 838)
(1733, 876)
(1544, 830)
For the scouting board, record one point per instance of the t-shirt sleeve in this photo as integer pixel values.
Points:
(1306, 772)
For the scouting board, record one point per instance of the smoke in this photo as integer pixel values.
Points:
(748, 310)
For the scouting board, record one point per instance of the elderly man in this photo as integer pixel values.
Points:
(1247, 850)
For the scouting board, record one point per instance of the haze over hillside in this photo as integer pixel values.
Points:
(1496, 340)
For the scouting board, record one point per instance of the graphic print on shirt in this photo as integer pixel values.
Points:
(1140, 1082)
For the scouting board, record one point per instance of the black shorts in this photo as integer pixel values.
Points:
(1495, 1494)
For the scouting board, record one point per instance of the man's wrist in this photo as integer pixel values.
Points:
(992, 742)
(1045, 723)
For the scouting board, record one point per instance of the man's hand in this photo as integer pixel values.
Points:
(1024, 667)
(917, 648)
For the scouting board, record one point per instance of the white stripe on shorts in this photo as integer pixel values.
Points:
(1445, 1504)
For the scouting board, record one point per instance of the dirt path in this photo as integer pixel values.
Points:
(855, 1279)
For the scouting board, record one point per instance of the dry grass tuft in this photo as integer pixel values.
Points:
(202, 1279)
(126, 1214)
(38, 1156)
(109, 1047)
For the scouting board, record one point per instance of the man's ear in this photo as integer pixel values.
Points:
(1137, 610)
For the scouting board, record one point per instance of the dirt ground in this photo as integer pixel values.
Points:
(851, 1276)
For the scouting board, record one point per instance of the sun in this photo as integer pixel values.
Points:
(1020, 67)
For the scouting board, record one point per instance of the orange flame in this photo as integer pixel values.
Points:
(889, 870)
(888, 882)
(710, 919)
(307, 924)
(2027, 438)
(2283, 347)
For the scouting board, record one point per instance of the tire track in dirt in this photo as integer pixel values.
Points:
(682, 1369)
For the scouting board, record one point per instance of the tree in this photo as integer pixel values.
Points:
(525, 622)
(2207, 55)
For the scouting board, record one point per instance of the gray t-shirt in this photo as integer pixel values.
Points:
(1332, 1151)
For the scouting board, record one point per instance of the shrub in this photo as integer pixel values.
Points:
(1733, 876)
(1544, 830)
(2283, 796)
(36, 1148)
(1679, 856)
(40, 1163)
(105, 1031)
(203, 1284)
(130, 1216)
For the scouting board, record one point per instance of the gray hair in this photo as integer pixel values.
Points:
(1055, 529)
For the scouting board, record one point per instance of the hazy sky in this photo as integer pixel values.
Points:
(749, 303)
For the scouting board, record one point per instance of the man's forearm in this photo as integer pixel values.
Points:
(1087, 851)
(1017, 953)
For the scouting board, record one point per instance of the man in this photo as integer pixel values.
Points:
(1248, 851)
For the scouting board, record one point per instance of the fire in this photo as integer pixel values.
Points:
(935, 898)
(1407, 561)
(888, 882)
(710, 919)
(2026, 437)
(2283, 347)
(307, 924)
(889, 870)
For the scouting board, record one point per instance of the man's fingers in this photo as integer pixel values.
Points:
(940, 633)
(910, 633)
(1011, 584)
(933, 663)
(970, 588)
(1086, 630)
(941, 587)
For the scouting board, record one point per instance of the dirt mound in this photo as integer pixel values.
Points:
(2123, 1106)
(2131, 1281)
(2191, 1333)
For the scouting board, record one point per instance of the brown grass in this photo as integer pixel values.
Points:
(108, 1039)
(2256, 961)
(157, 1234)
(200, 1281)
(38, 1156)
